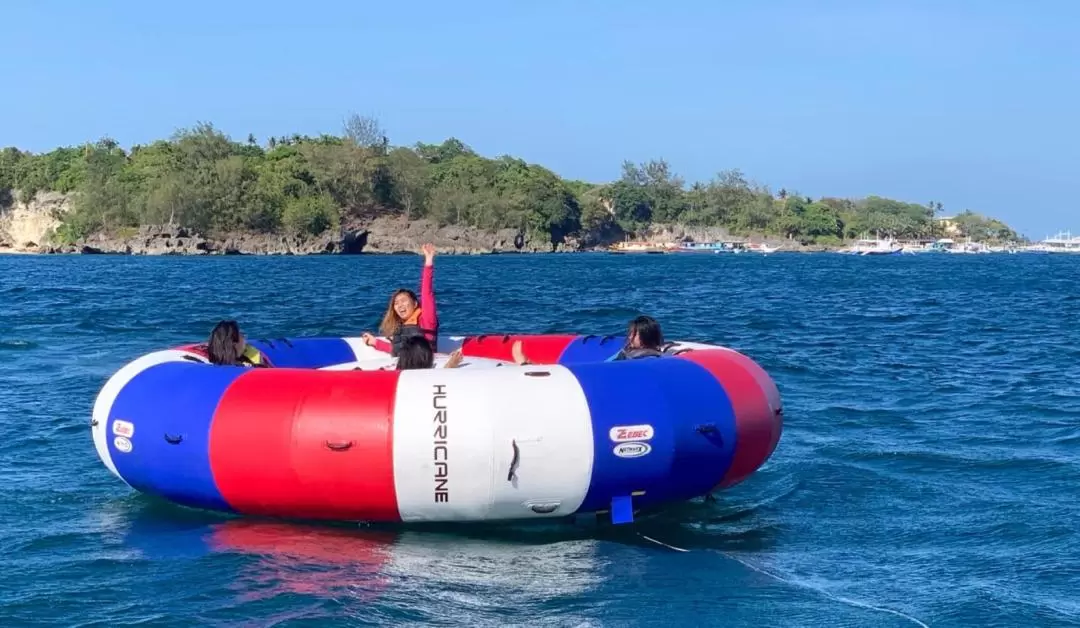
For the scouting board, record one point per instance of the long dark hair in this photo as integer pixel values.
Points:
(221, 349)
(648, 332)
(415, 353)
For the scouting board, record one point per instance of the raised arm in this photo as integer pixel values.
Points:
(429, 317)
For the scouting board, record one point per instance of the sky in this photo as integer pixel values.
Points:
(971, 103)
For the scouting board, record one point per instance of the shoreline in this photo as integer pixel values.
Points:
(399, 237)
(461, 253)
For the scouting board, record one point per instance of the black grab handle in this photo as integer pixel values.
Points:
(514, 463)
(173, 440)
(339, 445)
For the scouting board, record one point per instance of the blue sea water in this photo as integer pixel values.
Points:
(928, 474)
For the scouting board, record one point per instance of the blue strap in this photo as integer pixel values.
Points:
(622, 509)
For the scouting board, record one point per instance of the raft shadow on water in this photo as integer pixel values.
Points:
(160, 530)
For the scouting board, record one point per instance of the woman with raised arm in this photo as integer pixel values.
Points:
(406, 316)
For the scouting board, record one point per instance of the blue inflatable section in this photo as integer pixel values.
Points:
(692, 423)
(305, 353)
(171, 407)
(588, 349)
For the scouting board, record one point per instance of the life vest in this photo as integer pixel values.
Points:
(408, 329)
(252, 357)
(629, 353)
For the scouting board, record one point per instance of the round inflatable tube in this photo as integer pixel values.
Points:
(332, 431)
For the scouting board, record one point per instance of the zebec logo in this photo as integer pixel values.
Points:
(631, 450)
(123, 428)
(627, 433)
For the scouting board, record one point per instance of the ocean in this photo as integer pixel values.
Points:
(928, 473)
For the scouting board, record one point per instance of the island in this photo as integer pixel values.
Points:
(202, 192)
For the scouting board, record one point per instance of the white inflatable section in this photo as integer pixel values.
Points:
(362, 351)
(384, 363)
(474, 363)
(454, 442)
(446, 344)
(388, 363)
(677, 346)
(99, 426)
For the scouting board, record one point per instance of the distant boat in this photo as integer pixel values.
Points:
(637, 247)
(710, 247)
(1063, 242)
(867, 246)
(763, 248)
(702, 247)
(970, 248)
(942, 245)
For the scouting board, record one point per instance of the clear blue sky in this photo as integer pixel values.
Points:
(971, 103)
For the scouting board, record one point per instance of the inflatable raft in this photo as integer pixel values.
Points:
(333, 432)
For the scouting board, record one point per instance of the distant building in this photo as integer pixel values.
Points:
(948, 225)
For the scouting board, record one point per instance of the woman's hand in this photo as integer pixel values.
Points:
(429, 253)
(368, 339)
(455, 360)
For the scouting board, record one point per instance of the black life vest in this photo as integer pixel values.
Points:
(410, 330)
(629, 353)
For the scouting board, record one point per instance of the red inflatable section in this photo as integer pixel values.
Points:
(307, 444)
(758, 422)
(198, 349)
(538, 349)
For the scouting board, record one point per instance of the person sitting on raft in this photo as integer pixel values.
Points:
(405, 316)
(416, 353)
(644, 339)
(228, 347)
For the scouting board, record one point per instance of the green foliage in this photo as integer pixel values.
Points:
(310, 215)
(201, 178)
(983, 229)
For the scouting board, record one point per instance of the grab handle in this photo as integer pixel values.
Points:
(173, 440)
(514, 463)
(339, 445)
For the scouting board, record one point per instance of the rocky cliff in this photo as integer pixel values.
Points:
(395, 234)
(385, 236)
(27, 226)
(682, 233)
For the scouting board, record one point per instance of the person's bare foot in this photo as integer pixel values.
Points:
(518, 353)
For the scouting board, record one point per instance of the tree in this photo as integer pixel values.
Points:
(365, 132)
